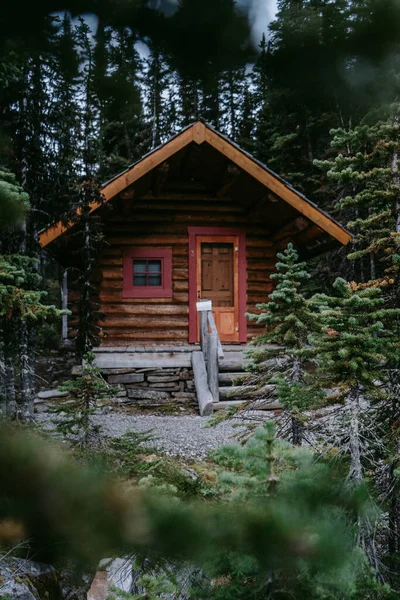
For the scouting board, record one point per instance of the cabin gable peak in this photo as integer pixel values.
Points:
(200, 133)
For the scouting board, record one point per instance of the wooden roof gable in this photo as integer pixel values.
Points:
(199, 133)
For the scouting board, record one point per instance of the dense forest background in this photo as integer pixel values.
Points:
(87, 88)
(86, 97)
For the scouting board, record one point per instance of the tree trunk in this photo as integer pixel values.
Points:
(393, 487)
(27, 387)
(297, 430)
(9, 372)
(365, 527)
(3, 397)
(356, 474)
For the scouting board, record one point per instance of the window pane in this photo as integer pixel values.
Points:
(139, 266)
(154, 279)
(139, 280)
(154, 266)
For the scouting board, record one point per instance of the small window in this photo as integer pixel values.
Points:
(147, 273)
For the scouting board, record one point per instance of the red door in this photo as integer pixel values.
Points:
(217, 280)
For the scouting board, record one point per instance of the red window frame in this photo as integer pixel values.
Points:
(148, 291)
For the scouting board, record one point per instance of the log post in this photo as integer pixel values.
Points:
(212, 365)
(204, 396)
(203, 331)
(203, 307)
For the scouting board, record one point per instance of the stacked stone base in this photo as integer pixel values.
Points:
(158, 388)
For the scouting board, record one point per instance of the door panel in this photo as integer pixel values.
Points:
(218, 281)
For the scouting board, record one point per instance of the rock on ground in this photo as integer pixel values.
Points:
(22, 579)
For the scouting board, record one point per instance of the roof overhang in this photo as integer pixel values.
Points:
(200, 133)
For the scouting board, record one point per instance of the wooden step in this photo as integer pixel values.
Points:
(232, 378)
(140, 360)
(260, 405)
(229, 392)
(232, 364)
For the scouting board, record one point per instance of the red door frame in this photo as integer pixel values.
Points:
(193, 232)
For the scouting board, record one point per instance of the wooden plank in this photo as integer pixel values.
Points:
(148, 240)
(202, 205)
(203, 330)
(223, 405)
(276, 186)
(149, 335)
(125, 360)
(114, 296)
(212, 365)
(213, 327)
(143, 322)
(146, 309)
(199, 131)
(204, 396)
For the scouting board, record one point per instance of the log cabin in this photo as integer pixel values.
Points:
(198, 218)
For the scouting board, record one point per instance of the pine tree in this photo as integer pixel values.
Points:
(302, 103)
(64, 117)
(124, 138)
(20, 303)
(289, 321)
(89, 146)
(89, 241)
(364, 173)
(74, 420)
(352, 350)
(158, 95)
(13, 200)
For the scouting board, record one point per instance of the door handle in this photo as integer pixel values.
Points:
(198, 294)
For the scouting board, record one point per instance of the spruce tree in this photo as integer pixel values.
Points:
(74, 417)
(90, 242)
(158, 95)
(364, 174)
(124, 138)
(289, 322)
(21, 303)
(352, 350)
(64, 118)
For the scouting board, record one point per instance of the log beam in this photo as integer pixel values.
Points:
(127, 197)
(230, 176)
(159, 178)
(291, 229)
(204, 396)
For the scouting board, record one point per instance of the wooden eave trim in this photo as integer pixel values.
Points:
(115, 186)
(276, 186)
(200, 133)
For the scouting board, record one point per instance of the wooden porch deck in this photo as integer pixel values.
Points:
(159, 356)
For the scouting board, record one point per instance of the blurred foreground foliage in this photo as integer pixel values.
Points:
(267, 536)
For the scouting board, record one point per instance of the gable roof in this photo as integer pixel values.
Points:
(199, 133)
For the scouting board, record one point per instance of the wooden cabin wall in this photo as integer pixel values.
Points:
(131, 321)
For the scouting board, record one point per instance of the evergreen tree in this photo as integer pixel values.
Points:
(13, 200)
(89, 147)
(289, 322)
(20, 303)
(64, 118)
(124, 138)
(74, 421)
(352, 351)
(159, 95)
(364, 174)
(89, 241)
(302, 102)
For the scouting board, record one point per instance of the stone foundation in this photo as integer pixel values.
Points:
(153, 387)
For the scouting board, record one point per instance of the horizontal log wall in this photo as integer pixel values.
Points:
(165, 320)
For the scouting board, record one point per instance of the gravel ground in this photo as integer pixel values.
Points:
(184, 435)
